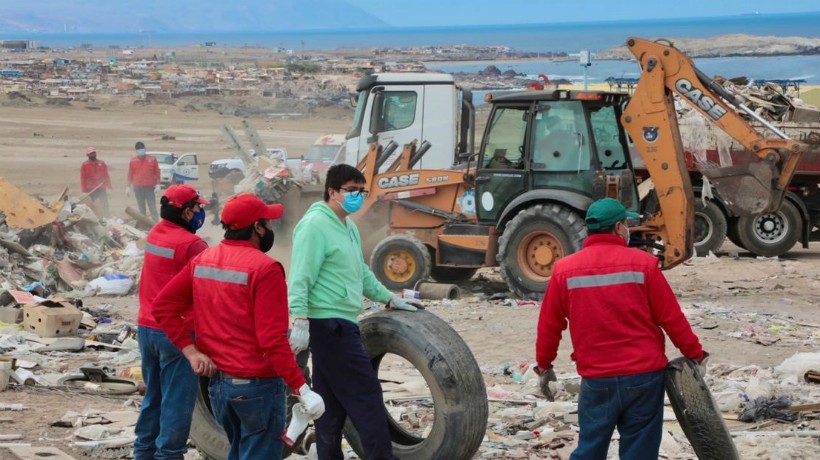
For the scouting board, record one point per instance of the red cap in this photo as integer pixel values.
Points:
(243, 210)
(90, 150)
(178, 195)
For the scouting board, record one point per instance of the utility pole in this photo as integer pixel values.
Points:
(585, 62)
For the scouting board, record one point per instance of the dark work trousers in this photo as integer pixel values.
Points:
(146, 198)
(346, 380)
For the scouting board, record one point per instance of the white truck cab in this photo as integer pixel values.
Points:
(401, 107)
(175, 169)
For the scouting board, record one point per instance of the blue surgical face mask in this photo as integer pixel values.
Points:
(352, 203)
(140, 152)
(627, 234)
(198, 220)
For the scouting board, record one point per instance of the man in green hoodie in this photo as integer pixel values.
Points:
(327, 282)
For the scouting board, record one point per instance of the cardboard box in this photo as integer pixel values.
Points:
(52, 318)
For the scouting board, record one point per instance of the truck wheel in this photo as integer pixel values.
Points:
(400, 261)
(710, 227)
(452, 374)
(452, 274)
(772, 234)
(697, 412)
(531, 244)
(732, 234)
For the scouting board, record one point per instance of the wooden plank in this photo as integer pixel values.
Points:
(39, 453)
(805, 407)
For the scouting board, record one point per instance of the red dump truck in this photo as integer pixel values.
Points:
(767, 235)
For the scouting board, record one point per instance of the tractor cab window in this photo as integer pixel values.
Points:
(606, 130)
(399, 109)
(560, 138)
(504, 145)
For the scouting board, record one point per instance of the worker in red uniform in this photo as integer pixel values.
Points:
(618, 305)
(170, 383)
(143, 177)
(238, 298)
(95, 181)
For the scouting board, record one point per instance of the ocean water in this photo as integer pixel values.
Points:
(567, 37)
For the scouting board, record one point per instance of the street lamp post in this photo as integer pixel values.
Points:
(585, 62)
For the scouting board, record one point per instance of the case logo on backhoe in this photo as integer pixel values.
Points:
(403, 180)
(704, 102)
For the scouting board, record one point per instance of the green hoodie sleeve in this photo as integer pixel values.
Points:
(371, 287)
(306, 261)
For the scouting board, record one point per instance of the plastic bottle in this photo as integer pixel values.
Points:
(298, 424)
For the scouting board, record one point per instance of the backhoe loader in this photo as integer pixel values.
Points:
(545, 156)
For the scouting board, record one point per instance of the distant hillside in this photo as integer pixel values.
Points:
(89, 16)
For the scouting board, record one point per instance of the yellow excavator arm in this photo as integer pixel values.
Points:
(750, 187)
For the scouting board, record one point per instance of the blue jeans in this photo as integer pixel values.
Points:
(252, 412)
(170, 394)
(344, 376)
(633, 403)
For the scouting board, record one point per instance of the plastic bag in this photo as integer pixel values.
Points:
(116, 284)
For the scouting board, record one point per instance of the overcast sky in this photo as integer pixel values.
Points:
(420, 13)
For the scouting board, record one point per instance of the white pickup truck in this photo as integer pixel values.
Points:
(175, 169)
(234, 166)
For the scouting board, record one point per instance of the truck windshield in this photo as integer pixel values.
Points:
(361, 102)
(322, 152)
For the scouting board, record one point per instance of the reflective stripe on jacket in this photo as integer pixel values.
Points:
(240, 310)
(168, 249)
(618, 304)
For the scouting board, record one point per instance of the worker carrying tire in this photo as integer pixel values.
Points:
(618, 304)
(328, 279)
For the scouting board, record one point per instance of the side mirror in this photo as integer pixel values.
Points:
(376, 119)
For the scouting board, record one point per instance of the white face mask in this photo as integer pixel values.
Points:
(627, 234)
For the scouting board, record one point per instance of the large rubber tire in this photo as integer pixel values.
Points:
(448, 366)
(452, 274)
(710, 227)
(697, 412)
(772, 234)
(531, 244)
(732, 234)
(207, 434)
(400, 261)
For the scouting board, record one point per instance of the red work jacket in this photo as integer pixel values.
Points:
(240, 309)
(143, 171)
(168, 249)
(92, 174)
(618, 304)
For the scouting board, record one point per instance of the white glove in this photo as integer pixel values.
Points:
(397, 303)
(299, 335)
(313, 404)
(298, 424)
(127, 191)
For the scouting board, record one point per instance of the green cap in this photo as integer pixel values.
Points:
(606, 213)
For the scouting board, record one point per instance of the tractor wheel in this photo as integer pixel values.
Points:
(452, 274)
(771, 234)
(458, 396)
(531, 244)
(710, 227)
(400, 261)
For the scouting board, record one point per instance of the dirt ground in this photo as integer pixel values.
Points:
(747, 311)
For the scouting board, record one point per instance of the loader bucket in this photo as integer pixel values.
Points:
(747, 189)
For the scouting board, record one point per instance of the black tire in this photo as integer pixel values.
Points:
(771, 234)
(452, 274)
(560, 229)
(732, 234)
(710, 227)
(207, 434)
(400, 261)
(697, 412)
(452, 374)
